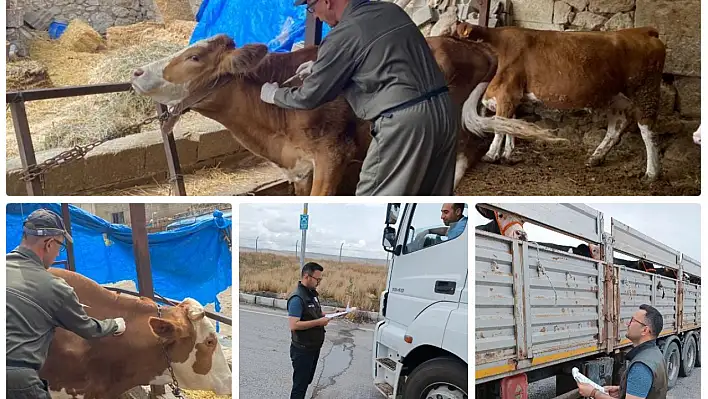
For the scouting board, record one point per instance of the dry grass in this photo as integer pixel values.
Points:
(177, 32)
(81, 37)
(218, 180)
(27, 74)
(358, 284)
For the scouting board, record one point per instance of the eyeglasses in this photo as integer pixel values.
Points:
(318, 279)
(62, 245)
(311, 6)
(633, 319)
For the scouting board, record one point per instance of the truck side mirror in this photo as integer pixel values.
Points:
(392, 213)
(389, 238)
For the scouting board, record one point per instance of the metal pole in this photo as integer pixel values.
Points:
(340, 252)
(304, 238)
(256, 244)
(66, 215)
(296, 246)
(313, 30)
(484, 12)
(175, 170)
(141, 250)
(24, 142)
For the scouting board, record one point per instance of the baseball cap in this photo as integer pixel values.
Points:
(45, 223)
(300, 2)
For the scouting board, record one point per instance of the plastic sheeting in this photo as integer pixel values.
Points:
(191, 261)
(275, 23)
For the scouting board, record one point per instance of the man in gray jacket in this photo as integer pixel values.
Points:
(376, 56)
(38, 303)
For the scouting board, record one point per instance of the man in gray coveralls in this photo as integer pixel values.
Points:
(376, 56)
(38, 303)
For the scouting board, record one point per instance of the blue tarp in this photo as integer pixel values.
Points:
(188, 221)
(191, 261)
(275, 23)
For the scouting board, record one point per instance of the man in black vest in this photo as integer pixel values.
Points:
(644, 375)
(307, 322)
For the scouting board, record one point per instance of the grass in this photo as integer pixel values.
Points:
(342, 282)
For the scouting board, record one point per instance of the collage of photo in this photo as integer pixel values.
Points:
(383, 166)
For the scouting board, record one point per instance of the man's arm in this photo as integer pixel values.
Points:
(71, 316)
(295, 313)
(331, 72)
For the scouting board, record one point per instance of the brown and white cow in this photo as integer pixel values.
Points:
(110, 366)
(697, 135)
(503, 223)
(319, 150)
(616, 71)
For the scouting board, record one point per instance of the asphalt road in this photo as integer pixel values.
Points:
(686, 387)
(343, 371)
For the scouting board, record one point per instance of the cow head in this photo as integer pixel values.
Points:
(195, 352)
(589, 250)
(506, 224)
(172, 79)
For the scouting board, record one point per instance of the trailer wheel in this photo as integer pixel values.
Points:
(688, 360)
(438, 379)
(672, 357)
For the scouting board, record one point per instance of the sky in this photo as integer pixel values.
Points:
(675, 225)
(358, 226)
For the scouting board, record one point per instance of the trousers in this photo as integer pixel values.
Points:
(304, 364)
(24, 383)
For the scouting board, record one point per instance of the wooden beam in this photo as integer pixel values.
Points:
(483, 12)
(141, 250)
(66, 215)
(313, 30)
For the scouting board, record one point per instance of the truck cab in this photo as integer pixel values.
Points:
(420, 346)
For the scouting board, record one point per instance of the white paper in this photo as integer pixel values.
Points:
(347, 310)
(579, 377)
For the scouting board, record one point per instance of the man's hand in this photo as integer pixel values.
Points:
(612, 390)
(121, 326)
(268, 92)
(304, 70)
(585, 390)
(324, 321)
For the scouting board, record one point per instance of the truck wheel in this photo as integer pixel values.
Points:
(698, 351)
(672, 357)
(437, 379)
(688, 360)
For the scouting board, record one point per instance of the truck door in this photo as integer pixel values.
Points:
(431, 266)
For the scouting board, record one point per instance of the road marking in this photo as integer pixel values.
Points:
(286, 316)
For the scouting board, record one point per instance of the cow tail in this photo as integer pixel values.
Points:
(480, 125)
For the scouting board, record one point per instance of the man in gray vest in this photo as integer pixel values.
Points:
(644, 375)
(380, 61)
(38, 303)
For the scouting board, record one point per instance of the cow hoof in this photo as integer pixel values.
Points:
(593, 162)
(510, 161)
(647, 180)
(489, 159)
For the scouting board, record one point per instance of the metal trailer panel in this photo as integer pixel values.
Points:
(576, 219)
(495, 337)
(637, 288)
(634, 243)
(690, 265)
(691, 306)
(565, 295)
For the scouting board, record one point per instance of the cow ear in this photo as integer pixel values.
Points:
(195, 313)
(246, 58)
(163, 328)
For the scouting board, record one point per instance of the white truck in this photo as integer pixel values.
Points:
(540, 312)
(420, 346)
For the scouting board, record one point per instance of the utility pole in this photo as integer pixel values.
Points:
(304, 219)
(256, 244)
(340, 252)
(296, 245)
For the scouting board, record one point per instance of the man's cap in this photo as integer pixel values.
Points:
(300, 2)
(45, 223)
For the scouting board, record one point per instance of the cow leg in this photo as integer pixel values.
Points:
(327, 176)
(508, 149)
(505, 107)
(303, 186)
(494, 152)
(653, 166)
(617, 121)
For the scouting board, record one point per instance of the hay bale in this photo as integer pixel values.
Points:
(91, 118)
(178, 32)
(171, 10)
(81, 37)
(27, 74)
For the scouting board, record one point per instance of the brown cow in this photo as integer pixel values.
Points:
(319, 150)
(108, 367)
(618, 71)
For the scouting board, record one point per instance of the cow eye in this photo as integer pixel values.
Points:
(211, 342)
(194, 58)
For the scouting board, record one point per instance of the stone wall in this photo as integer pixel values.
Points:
(100, 14)
(678, 22)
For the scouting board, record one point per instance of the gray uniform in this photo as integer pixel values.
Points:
(378, 59)
(37, 303)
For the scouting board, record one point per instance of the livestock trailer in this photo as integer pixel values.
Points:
(539, 312)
